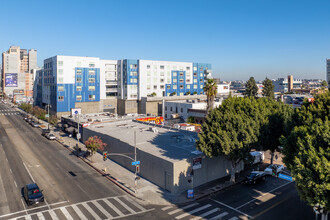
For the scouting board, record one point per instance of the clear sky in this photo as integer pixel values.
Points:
(240, 38)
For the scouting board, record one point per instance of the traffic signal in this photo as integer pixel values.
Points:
(137, 168)
(105, 156)
(274, 171)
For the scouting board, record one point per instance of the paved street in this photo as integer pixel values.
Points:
(71, 187)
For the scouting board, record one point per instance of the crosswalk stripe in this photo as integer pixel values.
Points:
(107, 214)
(233, 218)
(193, 211)
(166, 208)
(206, 214)
(40, 216)
(90, 210)
(66, 213)
(181, 209)
(134, 203)
(114, 208)
(79, 213)
(53, 215)
(125, 206)
(219, 216)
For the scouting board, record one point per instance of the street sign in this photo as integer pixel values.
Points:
(47, 115)
(190, 193)
(76, 112)
(282, 176)
(78, 136)
(134, 163)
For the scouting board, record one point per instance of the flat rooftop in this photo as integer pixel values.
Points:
(167, 143)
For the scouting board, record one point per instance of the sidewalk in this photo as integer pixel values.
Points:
(147, 192)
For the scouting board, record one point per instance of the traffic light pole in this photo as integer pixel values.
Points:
(135, 183)
(48, 117)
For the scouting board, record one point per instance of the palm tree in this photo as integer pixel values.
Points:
(210, 88)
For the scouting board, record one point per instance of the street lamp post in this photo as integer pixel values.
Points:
(48, 116)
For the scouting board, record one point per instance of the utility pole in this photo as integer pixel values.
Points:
(48, 117)
(135, 183)
(78, 134)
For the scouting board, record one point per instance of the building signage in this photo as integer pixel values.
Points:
(11, 80)
(190, 193)
(75, 111)
(197, 163)
(156, 120)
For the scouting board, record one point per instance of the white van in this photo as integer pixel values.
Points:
(258, 157)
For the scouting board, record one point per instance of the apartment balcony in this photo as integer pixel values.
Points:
(111, 82)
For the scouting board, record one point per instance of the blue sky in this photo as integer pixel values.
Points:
(240, 38)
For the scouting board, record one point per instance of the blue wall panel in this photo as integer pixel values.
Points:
(128, 70)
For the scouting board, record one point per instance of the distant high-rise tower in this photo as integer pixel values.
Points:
(17, 65)
(290, 83)
(328, 72)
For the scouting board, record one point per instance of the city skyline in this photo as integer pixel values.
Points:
(263, 39)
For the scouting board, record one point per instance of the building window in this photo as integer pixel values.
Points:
(78, 72)
(195, 86)
(148, 73)
(61, 98)
(133, 66)
(162, 80)
(60, 79)
(181, 74)
(171, 109)
(174, 80)
(61, 88)
(201, 86)
(91, 88)
(168, 80)
(78, 97)
(195, 74)
(165, 108)
(181, 80)
(181, 110)
(79, 80)
(162, 87)
(133, 73)
(162, 73)
(92, 65)
(187, 68)
(91, 72)
(78, 88)
(188, 80)
(181, 86)
(148, 87)
(174, 86)
(201, 69)
(174, 74)
(60, 71)
(91, 97)
(168, 86)
(60, 63)
(195, 80)
(91, 80)
(188, 86)
(162, 67)
(201, 80)
(195, 68)
(155, 87)
(148, 66)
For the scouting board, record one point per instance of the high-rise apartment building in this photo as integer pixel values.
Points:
(96, 85)
(17, 70)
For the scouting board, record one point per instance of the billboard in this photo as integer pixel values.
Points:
(11, 80)
(156, 120)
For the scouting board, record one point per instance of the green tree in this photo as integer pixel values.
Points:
(251, 88)
(210, 88)
(324, 84)
(191, 119)
(277, 116)
(268, 90)
(231, 130)
(53, 120)
(94, 144)
(307, 151)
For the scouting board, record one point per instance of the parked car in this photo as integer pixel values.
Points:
(255, 177)
(35, 124)
(32, 194)
(45, 132)
(277, 168)
(50, 136)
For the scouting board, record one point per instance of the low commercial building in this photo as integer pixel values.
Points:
(168, 156)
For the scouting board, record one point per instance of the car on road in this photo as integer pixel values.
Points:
(276, 167)
(50, 136)
(33, 194)
(255, 177)
(45, 132)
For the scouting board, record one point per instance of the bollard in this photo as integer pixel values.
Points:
(105, 169)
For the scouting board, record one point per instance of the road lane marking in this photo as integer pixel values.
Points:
(23, 206)
(263, 195)
(192, 211)
(15, 184)
(99, 207)
(66, 213)
(206, 214)
(219, 216)
(231, 208)
(11, 171)
(114, 208)
(53, 215)
(166, 208)
(28, 172)
(124, 205)
(91, 211)
(233, 218)
(134, 203)
(271, 207)
(40, 216)
(182, 209)
(79, 213)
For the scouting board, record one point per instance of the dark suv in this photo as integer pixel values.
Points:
(32, 194)
(255, 177)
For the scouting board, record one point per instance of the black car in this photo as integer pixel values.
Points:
(32, 194)
(45, 132)
(255, 177)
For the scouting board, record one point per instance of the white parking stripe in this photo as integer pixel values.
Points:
(232, 208)
(193, 211)
(181, 209)
(66, 213)
(40, 216)
(166, 208)
(219, 216)
(107, 214)
(123, 204)
(90, 210)
(206, 214)
(134, 203)
(114, 208)
(79, 213)
(53, 215)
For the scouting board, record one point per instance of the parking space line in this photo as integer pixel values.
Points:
(263, 195)
(231, 208)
